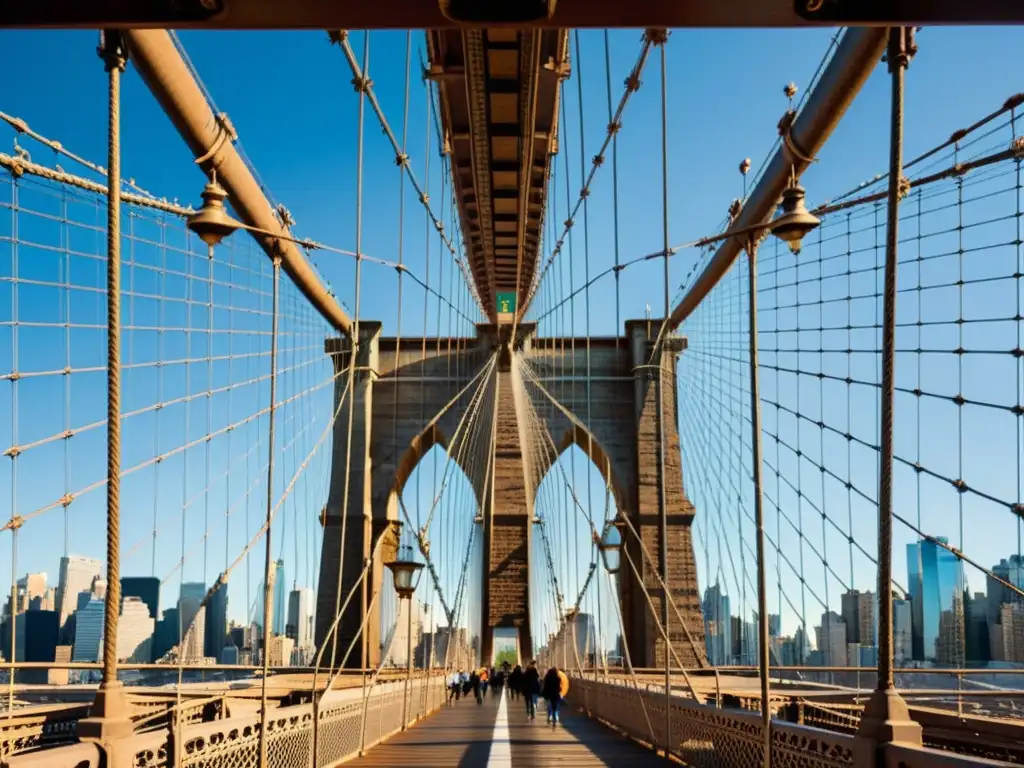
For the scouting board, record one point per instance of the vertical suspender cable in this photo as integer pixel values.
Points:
(660, 402)
(114, 57)
(267, 560)
(364, 85)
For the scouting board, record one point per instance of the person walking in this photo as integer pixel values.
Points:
(531, 687)
(554, 688)
(515, 681)
(475, 683)
(485, 680)
(454, 687)
(498, 684)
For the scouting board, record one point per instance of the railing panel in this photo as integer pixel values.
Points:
(707, 736)
(922, 757)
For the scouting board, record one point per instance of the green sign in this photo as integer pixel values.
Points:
(506, 302)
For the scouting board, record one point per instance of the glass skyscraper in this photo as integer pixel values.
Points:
(279, 619)
(717, 626)
(936, 580)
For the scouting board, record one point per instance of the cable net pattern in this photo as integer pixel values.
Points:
(957, 431)
(196, 372)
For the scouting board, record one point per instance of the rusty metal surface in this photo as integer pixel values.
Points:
(856, 57)
(498, 93)
(167, 75)
(330, 14)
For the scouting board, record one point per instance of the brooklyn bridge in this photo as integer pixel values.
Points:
(601, 389)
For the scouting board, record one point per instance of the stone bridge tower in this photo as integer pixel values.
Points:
(410, 397)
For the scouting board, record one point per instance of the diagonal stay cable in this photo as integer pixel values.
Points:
(401, 157)
(632, 85)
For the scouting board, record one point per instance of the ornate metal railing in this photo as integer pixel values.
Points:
(705, 735)
(40, 727)
(338, 724)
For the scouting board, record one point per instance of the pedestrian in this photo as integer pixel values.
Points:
(515, 681)
(454, 686)
(498, 684)
(475, 684)
(555, 687)
(531, 687)
(485, 680)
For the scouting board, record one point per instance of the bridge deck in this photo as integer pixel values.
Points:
(499, 735)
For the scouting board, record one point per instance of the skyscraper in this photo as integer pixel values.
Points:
(135, 631)
(935, 578)
(300, 617)
(902, 630)
(89, 631)
(76, 575)
(35, 639)
(717, 626)
(147, 589)
(217, 623)
(832, 639)
(192, 615)
(859, 609)
(280, 610)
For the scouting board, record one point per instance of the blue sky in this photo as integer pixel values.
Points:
(290, 98)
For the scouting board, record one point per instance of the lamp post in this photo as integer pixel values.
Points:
(406, 570)
(791, 226)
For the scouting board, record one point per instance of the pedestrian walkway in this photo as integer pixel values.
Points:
(497, 734)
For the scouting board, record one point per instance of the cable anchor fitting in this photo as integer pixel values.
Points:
(112, 50)
(1017, 148)
(903, 187)
(786, 132)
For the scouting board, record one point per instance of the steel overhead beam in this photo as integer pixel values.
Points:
(165, 72)
(427, 14)
(856, 56)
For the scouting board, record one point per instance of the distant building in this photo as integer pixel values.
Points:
(300, 617)
(718, 626)
(147, 589)
(859, 613)
(935, 578)
(192, 615)
(35, 639)
(902, 630)
(978, 647)
(217, 623)
(1008, 634)
(77, 574)
(89, 631)
(280, 651)
(1010, 570)
(279, 613)
(167, 634)
(62, 655)
(229, 655)
(774, 625)
(30, 589)
(135, 632)
(832, 640)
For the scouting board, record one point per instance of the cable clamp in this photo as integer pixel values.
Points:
(786, 132)
(225, 132)
(362, 84)
(903, 187)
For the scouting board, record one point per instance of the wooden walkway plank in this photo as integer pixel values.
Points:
(576, 742)
(460, 736)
